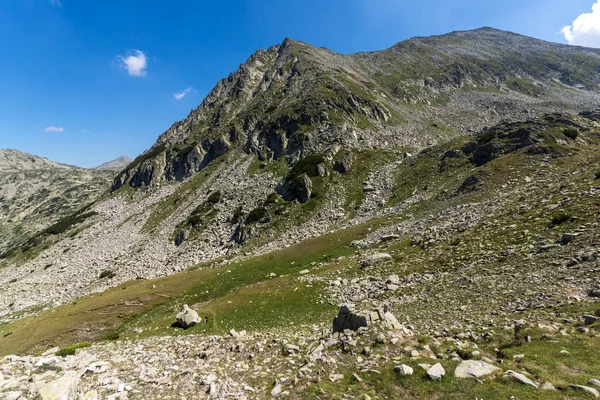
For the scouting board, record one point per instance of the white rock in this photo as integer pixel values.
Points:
(436, 372)
(403, 370)
(520, 378)
(592, 391)
(64, 388)
(474, 369)
(187, 317)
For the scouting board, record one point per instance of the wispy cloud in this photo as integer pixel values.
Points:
(585, 30)
(55, 3)
(135, 63)
(182, 94)
(54, 129)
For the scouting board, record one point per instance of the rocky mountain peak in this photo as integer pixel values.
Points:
(117, 163)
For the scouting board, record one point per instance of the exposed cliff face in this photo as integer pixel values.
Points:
(294, 99)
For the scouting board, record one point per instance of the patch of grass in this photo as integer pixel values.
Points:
(256, 215)
(560, 217)
(70, 350)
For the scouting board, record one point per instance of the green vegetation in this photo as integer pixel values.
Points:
(256, 215)
(108, 274)
(70, 350)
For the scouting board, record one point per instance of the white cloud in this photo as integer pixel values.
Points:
(55, 3)
(54, 129)
(585, 30)
(135, 63)
(182, 94)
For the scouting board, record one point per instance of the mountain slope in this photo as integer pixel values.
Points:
(294, 99)
(298, 142)
(14, 160)
(36, 192)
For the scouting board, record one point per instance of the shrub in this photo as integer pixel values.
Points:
(272, 198)
(560, 217)
(571, 133)
(237, 215)
(597, 175)
(214, 197)
(70, 350)
(256, 215)
(112, 336)
(107, 274)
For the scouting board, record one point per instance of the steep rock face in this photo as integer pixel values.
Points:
(293, 99)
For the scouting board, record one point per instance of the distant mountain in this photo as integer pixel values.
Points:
(36, 192)
(116, 164)
(15, 160)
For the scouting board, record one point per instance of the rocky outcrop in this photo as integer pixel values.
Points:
(187, 317)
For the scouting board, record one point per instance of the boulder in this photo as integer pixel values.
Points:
(344, 165)
(474, 369)
(436, 372)
(64, 388)
(403, 370)
(594, 382)
(519, 378)
(589, 390)
(346, 319)
(590, 319)
(187, 317)
(376, 258)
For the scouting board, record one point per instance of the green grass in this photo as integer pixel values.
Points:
(70, 350)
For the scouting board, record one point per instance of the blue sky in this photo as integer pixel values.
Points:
(83, 82)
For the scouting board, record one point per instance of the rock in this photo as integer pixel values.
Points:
(12, 396)
(64, 388)
(289, 349)
(91, 395)
(519, 378)
(548, 386)
(393, 279)
(594, 382)
(356, 378)
(391, 322)
(276, 391)
(389, 238)
(474, 369)
(597, 313)
(436, 372)
(304, 189)
(187, 317)
(590, 319)
(403, 370)
(344, 165)
(568, 237)
(375, 259)
(304, 272)
(368, 188)
(348, 320)
(518, 357)
(335, 377)
(592, 391)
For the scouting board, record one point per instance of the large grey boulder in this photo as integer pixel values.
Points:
(403, 369)
(187, 317)
(346, 319)
(474, 369)
(64, 388)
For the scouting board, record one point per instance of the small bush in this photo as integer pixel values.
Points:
(256, 215)
(214, 197)
(112, 336)
(597, 175)
(107, 274)
(70, 350)
(560, 217)
(272, 198)
(237, 215)
(571, 133)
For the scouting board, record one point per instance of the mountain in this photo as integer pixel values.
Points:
(36, 193)
(390, 224)
(116, 164)
(14, 160)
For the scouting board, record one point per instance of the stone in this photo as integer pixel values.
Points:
(12, 396)
(519, 378)
(403, 370)
(276, 391)
(368, 188)
(474, 369)
(64, 388)
(356, 378)
(590, 319)
(393, 279)
(344, 165)
(568, 237)
(187, 317)
(335, 377)
(597, 313)
(436, 372)
(391, 322)
(91, 395)
(346, 319)
(589, 390)
(547, 386)
(594, 382)
(376, 258)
